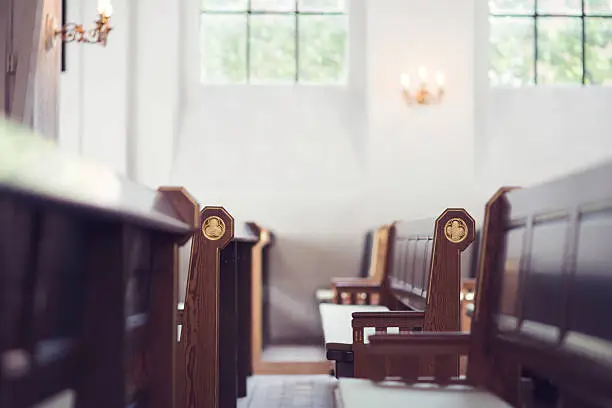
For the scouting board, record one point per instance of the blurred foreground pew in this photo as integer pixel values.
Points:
(87, 280)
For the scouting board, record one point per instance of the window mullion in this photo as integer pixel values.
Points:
(297, 41)
(248, 42)
(535, 42)
(583, 44)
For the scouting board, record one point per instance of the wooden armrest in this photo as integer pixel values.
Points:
(338, 347)
(355, 290)
(401, 319)
(357, 286)
(419, 344)
(351, 279)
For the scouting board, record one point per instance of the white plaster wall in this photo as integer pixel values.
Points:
(420, 157)
(93, 91)
(119, 103)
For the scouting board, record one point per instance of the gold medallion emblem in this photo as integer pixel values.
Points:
(213, 228)
(455, 230)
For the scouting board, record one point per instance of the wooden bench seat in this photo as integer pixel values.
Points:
(420, 289)
(544, 291)
(359, 393)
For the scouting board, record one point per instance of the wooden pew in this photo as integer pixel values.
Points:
(87, 281)
(421, 290)
(366, 269)
(544, 292)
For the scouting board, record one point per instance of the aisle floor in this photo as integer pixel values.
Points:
(289, 391)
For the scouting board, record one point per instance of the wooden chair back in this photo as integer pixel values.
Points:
(545, 289)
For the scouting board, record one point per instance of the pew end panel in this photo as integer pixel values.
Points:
(183, 205)
(198, 365)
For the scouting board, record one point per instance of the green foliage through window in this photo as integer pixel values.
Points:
(550, 42)
(273, 41)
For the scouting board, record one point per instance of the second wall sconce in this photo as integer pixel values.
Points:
(422, 94)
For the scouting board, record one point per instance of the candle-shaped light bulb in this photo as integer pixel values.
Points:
(440, 79)
(105, 8)
(423, 74)
(405, 81)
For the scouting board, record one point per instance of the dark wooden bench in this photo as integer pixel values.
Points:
(87, 281)
(220, 264)
(367, 268)
(543, 297)
(421, 290)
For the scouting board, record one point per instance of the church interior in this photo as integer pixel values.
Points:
(305, 203)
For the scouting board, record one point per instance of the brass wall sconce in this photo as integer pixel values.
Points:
(422, 94)
(72, 32)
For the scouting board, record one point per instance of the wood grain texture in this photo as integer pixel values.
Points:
(183, 204)
(161, 334)
(35, 84)
(198, 372)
